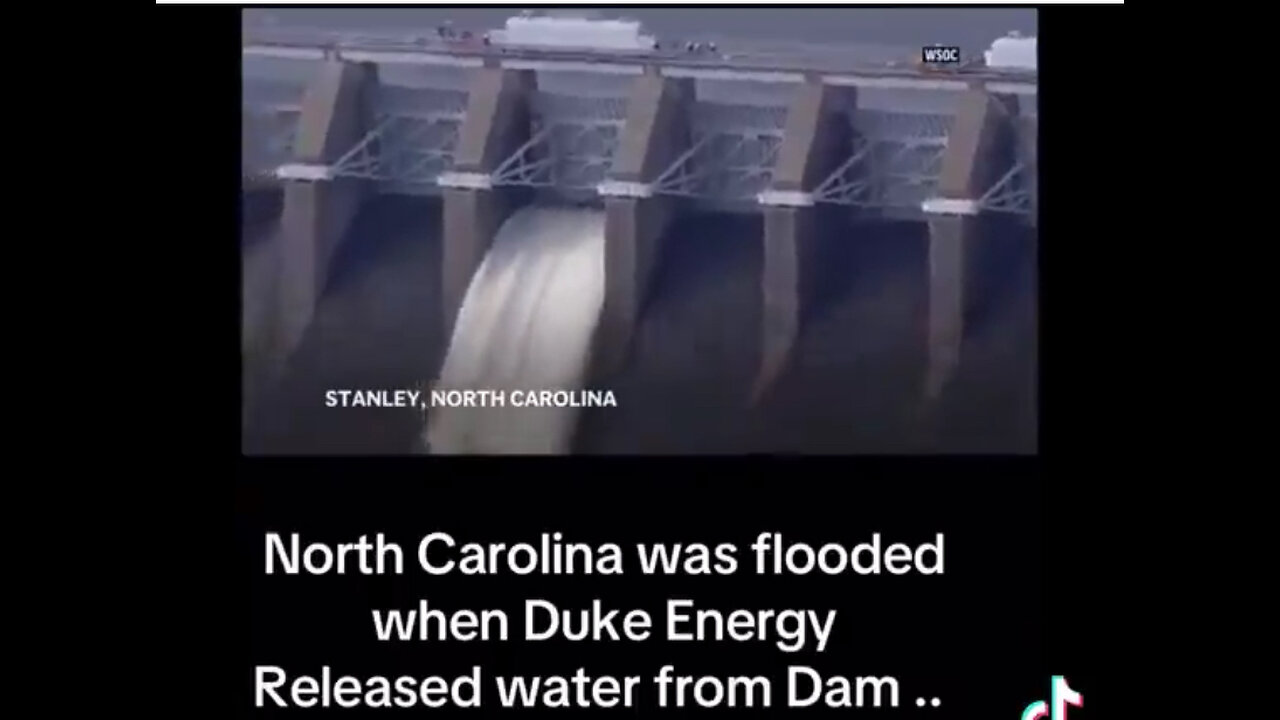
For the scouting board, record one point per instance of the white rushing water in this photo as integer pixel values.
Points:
(525, 324)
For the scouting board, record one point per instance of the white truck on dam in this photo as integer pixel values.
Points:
(1014, 51)
(586, 33)
(530, 30)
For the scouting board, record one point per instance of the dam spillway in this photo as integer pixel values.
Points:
(852, 388)
(662, 160)
(525, 325)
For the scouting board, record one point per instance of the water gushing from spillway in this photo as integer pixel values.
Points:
(526, 324)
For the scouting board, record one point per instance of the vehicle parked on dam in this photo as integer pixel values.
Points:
(575, 32)
(530, 30)
(1014, 51)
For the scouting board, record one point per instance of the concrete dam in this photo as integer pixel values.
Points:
(746, 264)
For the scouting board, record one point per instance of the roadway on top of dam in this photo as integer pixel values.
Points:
(753, 61)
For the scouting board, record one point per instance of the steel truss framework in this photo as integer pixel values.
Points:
(1010, 194)
(572, 145)
(732, 153)
(402, 151)
(414, 136)
(895, 165)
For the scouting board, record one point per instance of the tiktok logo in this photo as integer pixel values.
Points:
(1060, 697)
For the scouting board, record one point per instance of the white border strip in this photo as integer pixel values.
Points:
(1012, 88)
(465, 181)
(284, 52)
(623, 189)
(572, 66)
(785, 198)
(676, 71)
(310, 172)
(405, 58)
(949, 206)
(895, 83)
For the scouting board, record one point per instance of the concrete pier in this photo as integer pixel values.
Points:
(336, 114)
(497, 124)
(969, 167)
(655, 134)
(816, 139)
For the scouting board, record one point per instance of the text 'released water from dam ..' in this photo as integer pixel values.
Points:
(525, 324)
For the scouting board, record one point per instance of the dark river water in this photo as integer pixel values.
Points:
(854, 386)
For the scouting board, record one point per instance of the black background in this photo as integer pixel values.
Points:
(976, 636)
(1020, 593)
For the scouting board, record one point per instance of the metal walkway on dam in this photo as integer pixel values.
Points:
(879, 197)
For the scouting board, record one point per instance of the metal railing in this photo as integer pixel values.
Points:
(772, 56)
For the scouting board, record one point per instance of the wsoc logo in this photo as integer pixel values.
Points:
(940, 55)
(1060, 697)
